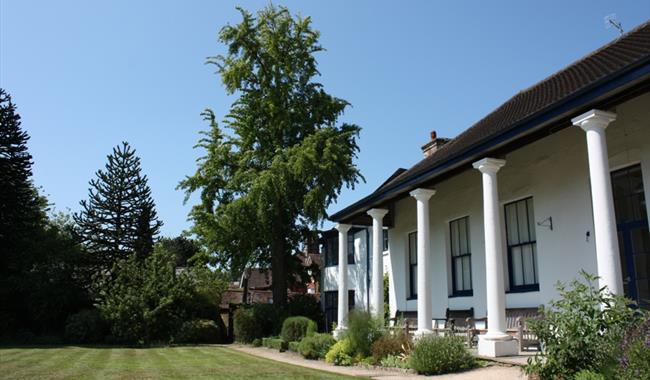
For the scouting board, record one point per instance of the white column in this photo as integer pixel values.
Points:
(343, 278)
(377, 301)
(424, 273)
(496, 342)
(594, 123)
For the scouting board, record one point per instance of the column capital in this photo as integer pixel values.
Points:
(377, 213)
(489, 165)
(343, 227)
(594, 119)
(422, 194)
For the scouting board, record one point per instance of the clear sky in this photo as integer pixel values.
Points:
(86, 75)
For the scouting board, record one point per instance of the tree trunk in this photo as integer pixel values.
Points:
(279, 261)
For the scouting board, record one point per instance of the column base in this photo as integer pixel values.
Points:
(494, 348)
(338, 332)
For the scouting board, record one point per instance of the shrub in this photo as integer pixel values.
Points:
(147, 300)
(199, 331)
(340, 353)
(588, 375)
(576, 333)
(296, 328)
(275, 343)
(257, 342)
(86, 326)
(362, 331)
(634, 360)
(245, 327)
(394, 343)
(306, 305)
(316, 346)
(293, 346)
(257, 321)
(434, 355)
(394, 361)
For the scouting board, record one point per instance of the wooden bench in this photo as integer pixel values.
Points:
(515, 326)
(455, 322)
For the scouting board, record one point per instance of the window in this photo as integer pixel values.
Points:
(461, 257)
(413, 265)
(522, 247)
(332, 306)
(332, 250)
(351, 247)
(385, 240)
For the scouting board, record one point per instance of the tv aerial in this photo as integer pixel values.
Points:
(612, 22)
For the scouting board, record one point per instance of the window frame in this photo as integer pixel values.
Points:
(412, 267)
(454, 258)
(531, 287)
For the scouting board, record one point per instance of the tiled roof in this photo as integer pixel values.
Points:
(629, 50)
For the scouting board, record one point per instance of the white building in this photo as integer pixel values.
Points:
(552, 182)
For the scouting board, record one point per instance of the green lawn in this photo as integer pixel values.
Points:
(206, 362)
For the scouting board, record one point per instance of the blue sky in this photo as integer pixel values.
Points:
(87, 75)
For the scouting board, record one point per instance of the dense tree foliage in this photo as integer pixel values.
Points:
(41, 266)
(119, 218)
(271, 179)
(149, 300)
(185, 251)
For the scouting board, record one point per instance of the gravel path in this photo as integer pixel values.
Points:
(491, 372)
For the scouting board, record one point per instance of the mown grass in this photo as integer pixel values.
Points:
(192, 362)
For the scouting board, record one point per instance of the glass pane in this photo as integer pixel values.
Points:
(413, 248)
(638, 206)
(517, 273)
(535, 262)
(462, 236)
(458, 275)
(528, 264)
(511, 224)
(522, 218)
(642, 266)
(640, 240)
(454, 237)
(414, 280)
(531, 219)
(467, 273)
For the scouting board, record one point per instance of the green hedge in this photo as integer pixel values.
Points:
(316, 346)
(436, 355)
(296, 328)
(199, 331)
(275, 343)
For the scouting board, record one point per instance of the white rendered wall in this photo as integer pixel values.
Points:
(554, 172)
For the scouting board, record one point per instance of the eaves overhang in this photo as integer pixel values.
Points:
(600, 94)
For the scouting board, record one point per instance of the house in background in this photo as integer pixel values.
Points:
(552, 182)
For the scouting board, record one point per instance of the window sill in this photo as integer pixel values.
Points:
(458, 295)
(411, 298)
(528, 289)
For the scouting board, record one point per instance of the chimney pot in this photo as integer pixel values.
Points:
(434, 144)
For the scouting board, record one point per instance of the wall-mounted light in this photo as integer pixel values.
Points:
(548, 222)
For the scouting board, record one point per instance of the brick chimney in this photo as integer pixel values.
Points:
(434, 144)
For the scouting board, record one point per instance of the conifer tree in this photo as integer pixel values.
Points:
(20, 205)
(119, 217)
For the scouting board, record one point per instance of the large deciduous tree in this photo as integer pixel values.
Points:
(286, 157)
(119, 218)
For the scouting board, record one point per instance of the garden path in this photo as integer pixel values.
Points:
(491, 372)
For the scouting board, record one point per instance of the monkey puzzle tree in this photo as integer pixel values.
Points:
(119, 217)
(286, 158)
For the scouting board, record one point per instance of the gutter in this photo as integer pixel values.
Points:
(582, 98)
